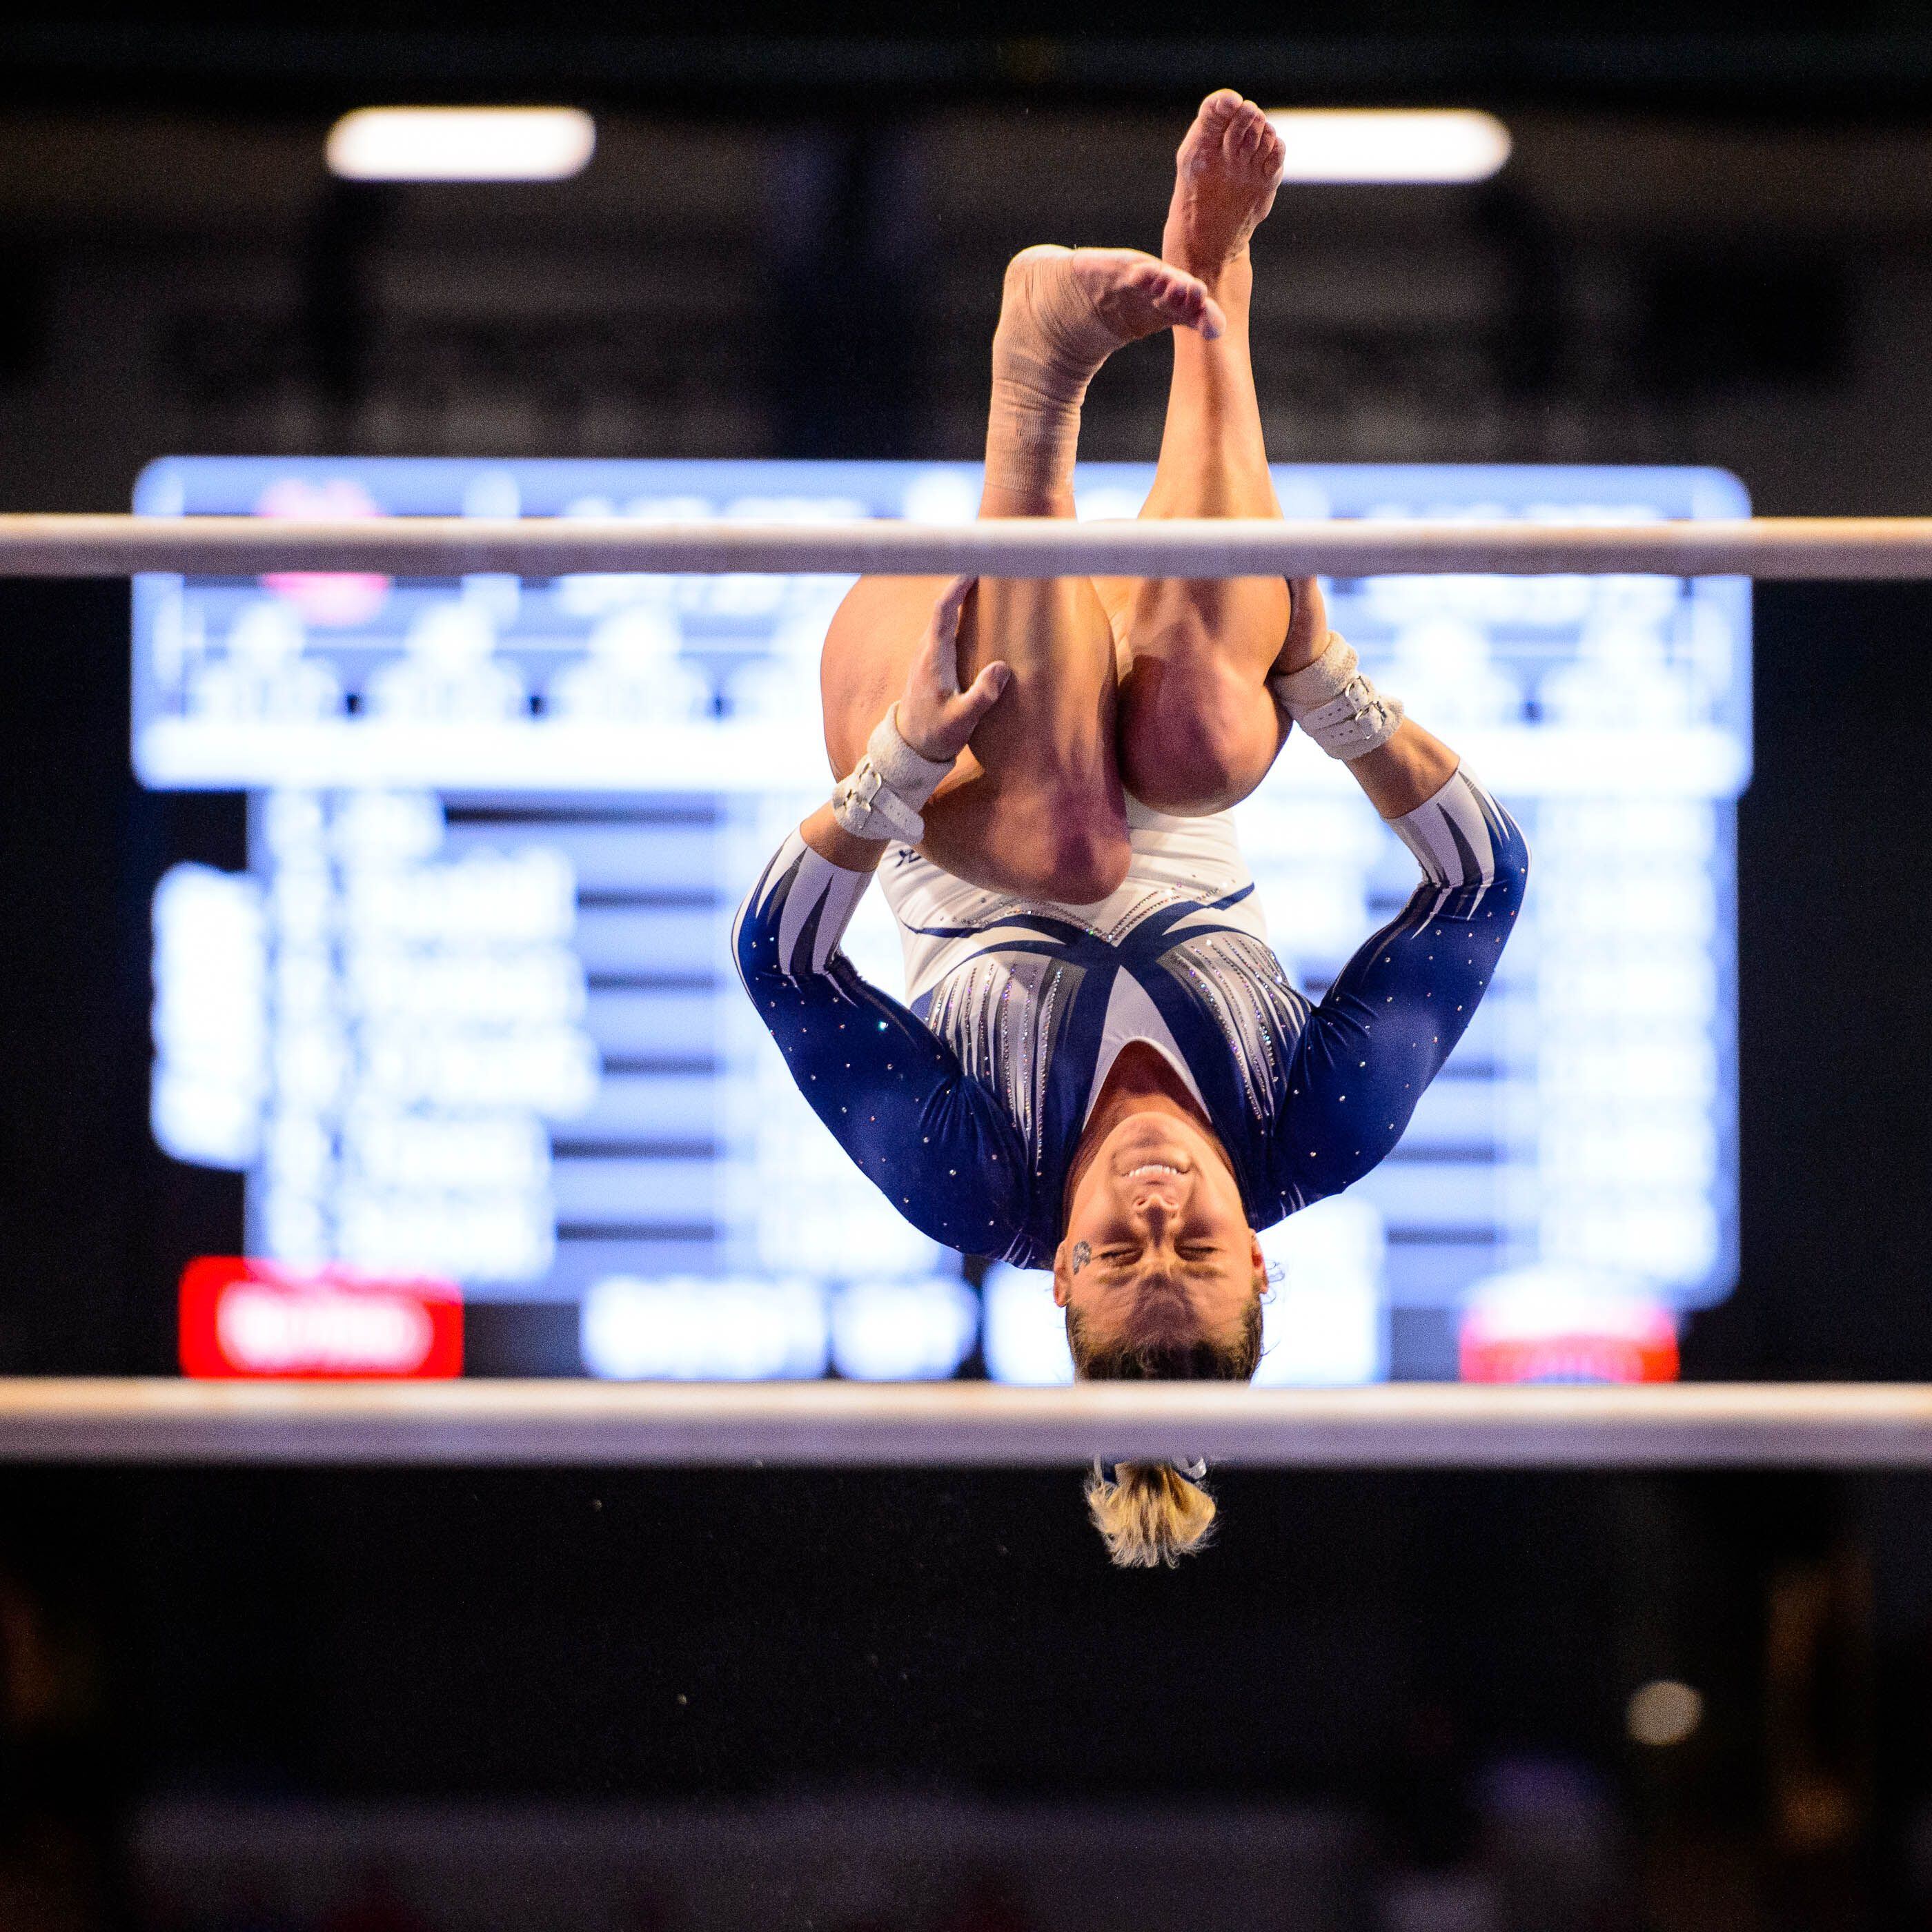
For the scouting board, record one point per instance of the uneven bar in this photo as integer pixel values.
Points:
(1786, 547)
(1422, 1425)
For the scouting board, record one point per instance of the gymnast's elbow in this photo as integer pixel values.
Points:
(756, 953)
(1512, 862)
(1506, 875)
(754, 950)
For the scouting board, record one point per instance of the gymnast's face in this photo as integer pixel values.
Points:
(1158, 1251)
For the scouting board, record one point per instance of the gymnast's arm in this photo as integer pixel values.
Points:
(1414, 766)
(936, 1143)
(1400, 1006)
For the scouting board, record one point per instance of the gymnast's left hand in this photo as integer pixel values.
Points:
(936, 717)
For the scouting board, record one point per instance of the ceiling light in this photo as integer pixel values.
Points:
(1368, 144)
(471, 144)
(1664, 1713)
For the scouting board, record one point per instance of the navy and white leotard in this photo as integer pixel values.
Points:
(966, 1112)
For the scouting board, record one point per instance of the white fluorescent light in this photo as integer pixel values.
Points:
(1369, 144)
(468, 144)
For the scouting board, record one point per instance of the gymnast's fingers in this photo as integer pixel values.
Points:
(1307, 620)
(942, 637)
(983, 693)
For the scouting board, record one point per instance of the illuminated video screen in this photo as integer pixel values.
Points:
(468, 1014)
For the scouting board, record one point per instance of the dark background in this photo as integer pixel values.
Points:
(1715, 245)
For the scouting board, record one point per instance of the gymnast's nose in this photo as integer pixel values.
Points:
(1157, 1209)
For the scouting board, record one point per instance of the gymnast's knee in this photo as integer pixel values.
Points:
(1089, 855)
(1198, 750)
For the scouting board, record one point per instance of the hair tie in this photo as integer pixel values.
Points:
(1195, 1468)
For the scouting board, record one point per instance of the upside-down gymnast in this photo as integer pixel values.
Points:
(1104, 1069)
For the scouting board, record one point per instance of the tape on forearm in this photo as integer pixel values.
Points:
(881, 796)
(1338, 706)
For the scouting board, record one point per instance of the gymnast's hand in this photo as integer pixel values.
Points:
(936, 717)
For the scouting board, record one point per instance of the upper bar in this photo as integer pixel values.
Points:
(1420, 1425)
(1783, 547)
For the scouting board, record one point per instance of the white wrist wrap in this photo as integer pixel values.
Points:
(1336, 705)
(881, 796)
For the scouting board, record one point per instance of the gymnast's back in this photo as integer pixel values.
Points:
(965, 1104)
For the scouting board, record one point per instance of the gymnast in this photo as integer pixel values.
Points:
(1104, 1069)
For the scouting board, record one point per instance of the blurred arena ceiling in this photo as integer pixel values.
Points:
(1867, 57)
(1671, 269)
(70, 169)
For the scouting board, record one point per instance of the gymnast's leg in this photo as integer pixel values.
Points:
(1197, 729)
(1034, 805)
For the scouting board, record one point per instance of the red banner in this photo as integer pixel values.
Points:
(1637, 1343)
(257, 1319)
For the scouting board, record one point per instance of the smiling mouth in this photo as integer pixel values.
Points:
(1147, 1168)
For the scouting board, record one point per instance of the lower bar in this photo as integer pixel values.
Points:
(1424, 1425)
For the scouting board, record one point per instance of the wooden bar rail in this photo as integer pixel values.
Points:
(1416, 1425)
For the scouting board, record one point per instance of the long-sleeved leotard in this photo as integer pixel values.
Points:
(966, 1115)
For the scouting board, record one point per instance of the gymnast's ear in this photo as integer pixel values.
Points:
(1063, 1277)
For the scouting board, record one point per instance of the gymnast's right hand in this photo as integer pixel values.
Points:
(936, 717)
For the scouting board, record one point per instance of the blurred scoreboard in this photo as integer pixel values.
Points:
(469, 1015)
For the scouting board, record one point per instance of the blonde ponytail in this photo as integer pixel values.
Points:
(1149, 1513)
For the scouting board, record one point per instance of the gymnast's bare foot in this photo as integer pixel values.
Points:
(1062, 312)
(1074, 306)
(1225, 176)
